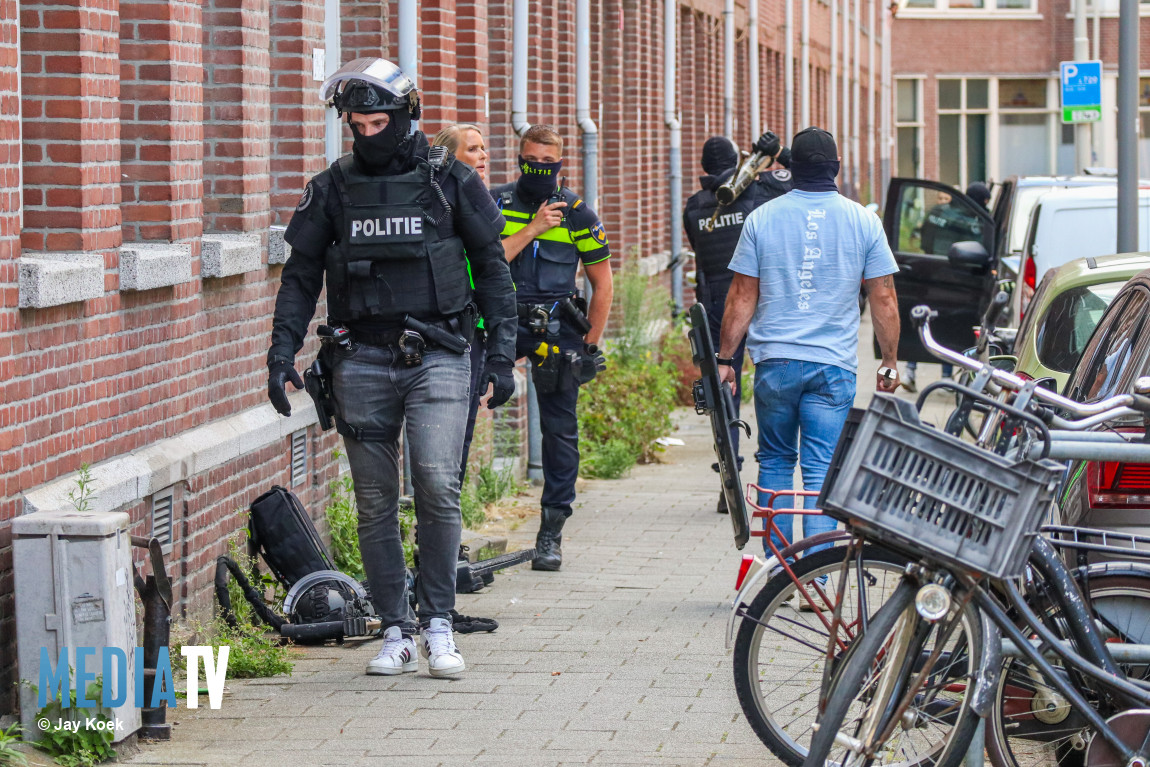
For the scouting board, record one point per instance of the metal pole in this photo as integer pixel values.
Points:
(833, 90)
(534, 431)
(872, 103)
(728, 68)
(1081, 53)
(675, 154)
(843, 136)
(332, 126)
(887, 145)
(805, 61)
(519, 39)
(789, 69)
(856, 101)
(409, 42)
(1096, 134)
(753, 61)
(587, 126)
(1128, 126)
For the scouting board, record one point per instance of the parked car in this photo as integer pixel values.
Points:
(924, 218)
(1111, 494)
(1065, 310)
(1073, 223)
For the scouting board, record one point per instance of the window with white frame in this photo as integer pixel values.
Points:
(909, 127)
(973, 7)
(963, 116)
(1144, 127)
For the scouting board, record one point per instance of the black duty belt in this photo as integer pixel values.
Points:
(390, 336)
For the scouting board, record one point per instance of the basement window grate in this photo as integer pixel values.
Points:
(162, 517)
(298, 457)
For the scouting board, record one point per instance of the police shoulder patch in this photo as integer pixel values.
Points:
(305, 198)
(782, 174)
(578, 204)
(598, 233)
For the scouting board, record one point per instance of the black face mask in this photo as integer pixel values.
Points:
(539, 179)
(377, 153)
(815, 176)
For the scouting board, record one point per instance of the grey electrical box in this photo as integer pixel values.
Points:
(73, 572)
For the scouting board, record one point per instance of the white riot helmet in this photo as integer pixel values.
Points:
(368, 85)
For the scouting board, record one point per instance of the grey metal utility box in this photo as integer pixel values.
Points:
(73, 572)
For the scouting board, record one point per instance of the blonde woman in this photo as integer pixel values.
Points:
(465, 141)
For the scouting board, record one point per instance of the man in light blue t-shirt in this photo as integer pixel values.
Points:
(798, 266)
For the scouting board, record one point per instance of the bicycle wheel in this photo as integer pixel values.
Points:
(780, 650)
(866, 691)
(1030, 724)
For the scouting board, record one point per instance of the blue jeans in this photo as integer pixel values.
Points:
(801, 408)
(376, 392)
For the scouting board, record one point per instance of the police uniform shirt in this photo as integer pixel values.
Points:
(318, 222)
(545, 269)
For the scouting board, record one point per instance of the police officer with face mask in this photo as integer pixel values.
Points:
(549, 231)
(386, 228)
(713, 231)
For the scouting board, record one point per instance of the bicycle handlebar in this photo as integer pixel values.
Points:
(1090, 414)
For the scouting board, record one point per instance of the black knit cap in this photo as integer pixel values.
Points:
(979, 192)
(719, 154)
(814, 145)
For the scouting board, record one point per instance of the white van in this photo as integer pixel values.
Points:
(1069, 224)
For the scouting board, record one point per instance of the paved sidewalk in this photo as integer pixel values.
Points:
(616, 660)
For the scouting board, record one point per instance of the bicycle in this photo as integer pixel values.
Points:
(970, 535)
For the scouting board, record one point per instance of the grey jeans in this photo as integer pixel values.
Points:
(375, 391)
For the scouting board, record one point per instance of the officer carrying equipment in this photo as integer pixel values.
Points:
(766, 149)
(384, 229)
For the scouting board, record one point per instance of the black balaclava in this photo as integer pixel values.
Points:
(719, 155)
(979, 192)
(538, 180)
(379, 153)
(814, 161)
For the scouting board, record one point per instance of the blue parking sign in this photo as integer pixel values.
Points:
(1081, 83)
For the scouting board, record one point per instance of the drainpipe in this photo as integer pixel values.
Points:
(728, 69)
(1082, 136)
(856, 105)
(519, 68)
(332, 126)
(833, 90)
(409, 42)
(789, 68)
(753, 61)
(844, 134)
(872, 105)
(587, 127)
(887, 138)
(805, 75)
(675, 156)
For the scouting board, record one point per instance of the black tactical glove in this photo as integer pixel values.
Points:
(592, 363)
(279, 373)
(768, 144)
(498, 373)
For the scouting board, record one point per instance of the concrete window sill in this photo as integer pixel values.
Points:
(278, 250)
(149, 265)
(54, 279)
(225, 255)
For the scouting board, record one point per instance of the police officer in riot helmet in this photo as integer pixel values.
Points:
(713, 231)
(386, 228)
(549, 231)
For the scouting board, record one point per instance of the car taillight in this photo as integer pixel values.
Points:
(1115, 485)
(744, 568)
(1029, 277)
(1024, 375)
(1030, 273)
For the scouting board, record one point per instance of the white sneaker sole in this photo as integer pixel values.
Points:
(449, 671)
(411, 665)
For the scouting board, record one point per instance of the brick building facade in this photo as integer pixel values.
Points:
(150, 150)
(977, 87)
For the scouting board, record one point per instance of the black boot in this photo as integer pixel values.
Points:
(548, 555)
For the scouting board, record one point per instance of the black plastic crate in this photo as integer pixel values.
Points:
(931, 495)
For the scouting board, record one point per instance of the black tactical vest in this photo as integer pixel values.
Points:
(714, 247)
(546, 268)
(390, 258)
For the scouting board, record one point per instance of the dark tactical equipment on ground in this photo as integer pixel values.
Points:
(713, 398)
(323, 603)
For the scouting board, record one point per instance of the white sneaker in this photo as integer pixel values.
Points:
(397, 655)
(438, 645)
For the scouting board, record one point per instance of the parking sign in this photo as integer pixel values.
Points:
(1081, 91)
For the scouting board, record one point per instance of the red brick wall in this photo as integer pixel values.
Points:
(161, 127)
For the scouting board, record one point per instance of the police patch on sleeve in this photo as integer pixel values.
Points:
(305, 198)
(598, 234)
(782, 174)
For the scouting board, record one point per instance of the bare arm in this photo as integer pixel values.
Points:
(602, 291)
(884, 315)
(546, 217)
(742, 299)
